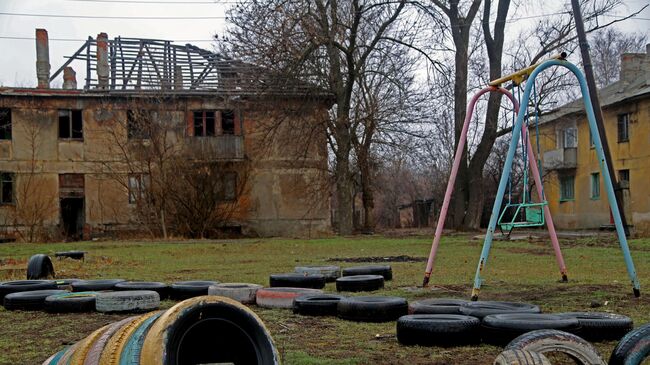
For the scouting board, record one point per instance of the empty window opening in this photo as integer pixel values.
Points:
(70, 124)
(138, 186)
(5, 123)
(7, 188)
(624, 178)
(204, 123)
(624, 127)
(138, 124)
(228, 122)
(595, 185)
(228, 191)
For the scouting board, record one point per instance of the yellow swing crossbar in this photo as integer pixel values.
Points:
(521, 75)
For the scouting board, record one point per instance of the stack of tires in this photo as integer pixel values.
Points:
(201, 330)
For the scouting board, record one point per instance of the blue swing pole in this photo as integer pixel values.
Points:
(516, 133)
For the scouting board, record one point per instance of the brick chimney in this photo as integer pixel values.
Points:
(635, 66)
(42, 59)
(102, 61)
(69, 78)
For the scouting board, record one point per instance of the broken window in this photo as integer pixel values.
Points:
(228, 191)
(204, 123)
(5, 123)
(228, 122)
(7, 188)
(138, 186)
(138, 124)
(624, 178)
(70, 124)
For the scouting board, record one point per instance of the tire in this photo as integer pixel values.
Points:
(188, 289)
(94, 285)
(54, 359)
(436, 306)
(384, 270)
(161, 288)
(438, 330)
(29, 300)
(331, 273)
(521, 357)
(24, 285)
(71, 302)
(65, 284)
(316, 304)
(84, 346)
(281, 297)
(372, 309)
(67, 354)
(131, 353)
(127, 301)
(357, 283)
(295, 280)
(40, 267)
(600, 326)
(75, 255)
(209, 329)
(481, 309)
(97, 348)
(633, 347)
(544, 341)
(241, 292)
(499, 329)
(110, 351)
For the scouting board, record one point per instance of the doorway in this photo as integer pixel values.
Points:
(72, 217)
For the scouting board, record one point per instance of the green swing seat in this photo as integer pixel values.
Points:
(534, 216)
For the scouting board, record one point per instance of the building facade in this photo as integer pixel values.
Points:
(78, 163)
(573, 181)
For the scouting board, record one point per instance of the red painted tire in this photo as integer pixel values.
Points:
(281, 297)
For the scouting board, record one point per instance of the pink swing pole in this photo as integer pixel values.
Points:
(452, 179)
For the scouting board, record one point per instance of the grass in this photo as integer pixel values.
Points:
(523, 270)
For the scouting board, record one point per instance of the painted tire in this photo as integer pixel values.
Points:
(131, 352)
(54, 359)
(543, 341)
(188, 289)
(481, 309)
(295, 280)
(127, 301)
(521, 357)
(436, 306)
(438, 330)
(65, 284)
(281, 297)
(317, 304)
(161, 288)
(372, 309)
(384, 270)
(95, 285)
(208, 329)
(499, 329)
(67, 354)
(40, 266)
(84, 346)
(112, 347)
(241, 292)
(71, 302)
(29, 300)
(95, 351)
(633, 347)
(331, 273)
(600, 326)
(357, 283)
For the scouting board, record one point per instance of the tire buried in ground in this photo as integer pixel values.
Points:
(633, 348)
(358, 283)
(600, 326)
(317, 304)
(29, 300)
(438, 330)
(372, 309)
(549, 341)
(40, 266)
(499, 329)
(70, 302)
(331, 273)
(521, 357)
(188, 289)
(436, 306)
(99, 346)
(241, 292)
(95, 285)
(281, 297)
(131, 351)
(384, 270)
(481, 309)
(208, 329)
(161, 288)
(295, 280)
(113, 346)
(127, 301)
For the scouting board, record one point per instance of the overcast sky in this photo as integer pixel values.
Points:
(18, 56)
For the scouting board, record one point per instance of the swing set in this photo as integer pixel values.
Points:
(527, 213)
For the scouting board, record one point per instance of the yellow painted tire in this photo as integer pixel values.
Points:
(208, 329)
(113, 348)
(65, 358)
(95, 351)
(83, 346)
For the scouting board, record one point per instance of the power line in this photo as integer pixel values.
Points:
(116, 17)
(83, 40)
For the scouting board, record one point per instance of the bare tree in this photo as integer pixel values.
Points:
(607, 45)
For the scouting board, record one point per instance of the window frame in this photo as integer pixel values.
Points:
(137, 191)
(595, 185)
(71, 114)
(564, 180)
(623, 119)
(6, 124)
(205, 132)
(624, 183)
(7, 177)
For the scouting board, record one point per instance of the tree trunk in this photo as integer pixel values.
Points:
(367, 190)
(343, 178)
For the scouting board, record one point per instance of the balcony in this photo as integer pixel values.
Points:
(221, 147)
(561, 158)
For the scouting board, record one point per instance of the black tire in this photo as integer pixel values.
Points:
(499, 329)
(161, 288)
(75, 255)
(633, 347)
(40, 266)
(71, 302)
(65, 284)
(295, 280)
(481, 309)
(384, 270)
(95, 285)
(188, 289)
(600, 326)
(29, 300)
(547, 341)
(521, 357)
(317, 304)
(438, 330)
(436, 306)
(25, 285)
(357, 283)
(372, 309)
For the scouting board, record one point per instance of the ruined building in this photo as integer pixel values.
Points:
(156, 136)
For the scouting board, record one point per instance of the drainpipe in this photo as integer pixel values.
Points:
(102, 61)
(42, 59)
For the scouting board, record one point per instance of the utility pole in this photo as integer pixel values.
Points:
(593, 95)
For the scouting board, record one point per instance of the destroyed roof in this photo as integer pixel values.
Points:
(151, 65)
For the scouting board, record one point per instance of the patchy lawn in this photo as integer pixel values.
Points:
(523, 270)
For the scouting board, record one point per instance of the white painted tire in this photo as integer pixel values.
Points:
(241, 292)
(281, 297)
(331, 273)
(127, 301)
